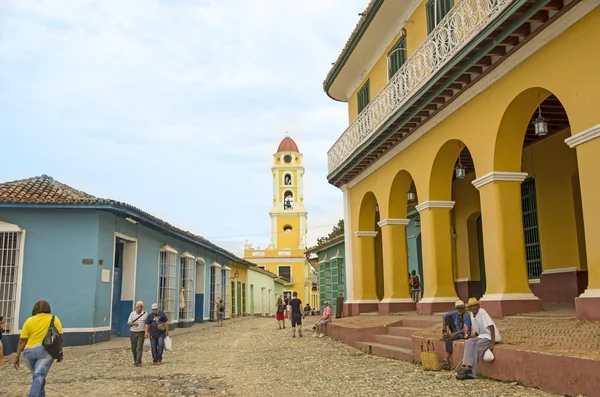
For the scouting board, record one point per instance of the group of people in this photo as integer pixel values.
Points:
(153, 326)
(292, 310)
(473, 324)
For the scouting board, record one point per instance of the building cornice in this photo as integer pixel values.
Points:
(498, 176)
(392, 221)
(435, 204)
(583, 136)
(365, 234)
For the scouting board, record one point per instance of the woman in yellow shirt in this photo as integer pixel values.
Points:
(37, 359)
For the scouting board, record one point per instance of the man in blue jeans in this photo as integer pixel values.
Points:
(456, 325)
(157, 327)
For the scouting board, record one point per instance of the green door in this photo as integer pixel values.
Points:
(481, 257)
(252, 299)
(239, 299)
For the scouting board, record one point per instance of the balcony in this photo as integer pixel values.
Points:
(476, 35)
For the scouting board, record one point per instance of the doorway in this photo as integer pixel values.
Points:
(116, 316)
(481, 255)
(252, 299)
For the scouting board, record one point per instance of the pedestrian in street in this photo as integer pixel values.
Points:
(326, 319)
(296, 314)
(137, 324)
(2, 359)
(416, 286)
(456, 325)
(220, 310)
(280, 312)
(37, 358)
(484, 337)
(157, 328)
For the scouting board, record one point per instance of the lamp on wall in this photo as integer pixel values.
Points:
(460, 170)
(412, 194)
(540, 124)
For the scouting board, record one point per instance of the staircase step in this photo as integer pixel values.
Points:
(393, 340)
(420, 323)
(403, 331)
(383, 350)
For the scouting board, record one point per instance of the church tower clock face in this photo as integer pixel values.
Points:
(287, 159)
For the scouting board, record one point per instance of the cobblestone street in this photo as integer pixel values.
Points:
(248, 357)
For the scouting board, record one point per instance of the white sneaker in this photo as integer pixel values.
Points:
(320, 336)
(315, 335)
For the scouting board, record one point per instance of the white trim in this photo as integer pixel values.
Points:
(434, 204)
(534, 281)
(87, 329)
(561, 270)
(509, 297)
(583, 136)
(200, 260)
(226, 268)
(461, 280)
(397, 300)
(362, 233)
(9, 228)
(291, 281)
(520, 56)
(393, 221)
(260, 261)
(168, 248)
(125, 237)
(348, 270)
(187, 255)
(439, 299)
(591, 293)
(325, 260)
(499, 176)
(131, 220)
(20, 267)
(215, 264)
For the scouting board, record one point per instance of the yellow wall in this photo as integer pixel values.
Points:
(288, 239)
(492, 126)
(466, 207)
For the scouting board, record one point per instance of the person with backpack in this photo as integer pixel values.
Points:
(220, 310)
(41, 343)
(136, 322)
(416, 286)
(281, 308)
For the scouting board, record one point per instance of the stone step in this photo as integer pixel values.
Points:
(393, 340)
(403, 331)
(421, 323)
(383, 350)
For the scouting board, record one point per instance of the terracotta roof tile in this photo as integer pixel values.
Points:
(288, 145)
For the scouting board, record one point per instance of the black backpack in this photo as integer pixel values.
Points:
(416, 282)
(53, 341)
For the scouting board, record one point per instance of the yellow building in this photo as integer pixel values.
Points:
(284, 255)
(484, 116)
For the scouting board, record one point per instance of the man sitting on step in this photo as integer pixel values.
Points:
(455, 325)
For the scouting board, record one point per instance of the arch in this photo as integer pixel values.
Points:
(288, 199)
(288, 179)
(368, 211)
(287, 228)
(510, 138)
(442, 169)
(398, 201)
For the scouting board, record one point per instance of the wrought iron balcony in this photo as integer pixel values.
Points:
(453, 33)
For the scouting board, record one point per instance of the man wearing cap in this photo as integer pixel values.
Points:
(157, 327)
(455, 325)
(136, 322)
(484, 336)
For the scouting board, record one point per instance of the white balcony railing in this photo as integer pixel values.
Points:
(458, 28)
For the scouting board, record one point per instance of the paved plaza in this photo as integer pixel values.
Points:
(247, 357)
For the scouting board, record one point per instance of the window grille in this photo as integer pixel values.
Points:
(243, 297)
(187, 281)
(443, 7)
(397, 57)
(364, 97)
(533, 250)
(286, 272)
(226, 291)
(213, 295)
(9, 267)
(166, 286)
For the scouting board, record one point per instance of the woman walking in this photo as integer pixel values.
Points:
(281, 308)
(36, 357)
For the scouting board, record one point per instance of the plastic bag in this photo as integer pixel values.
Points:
(147, 344)
(168, 344)
(488, 356)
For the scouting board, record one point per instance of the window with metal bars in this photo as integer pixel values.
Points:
(187, 282)
(364, 97)
(533, 252)
(166, 286)
(243, 297)
(286, 272)
(396, 57)
(442, 7)
(212, 293)
(226, 291)
(9, 267)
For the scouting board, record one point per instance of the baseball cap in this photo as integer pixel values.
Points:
(154, 306)
(459, 303)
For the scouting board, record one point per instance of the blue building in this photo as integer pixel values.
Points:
(93, 258)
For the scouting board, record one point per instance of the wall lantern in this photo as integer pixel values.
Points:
(411, 196)
(236, 274)
(540, 124)
(418, 221)
(460, 170)
(376, 208)
(403, 32)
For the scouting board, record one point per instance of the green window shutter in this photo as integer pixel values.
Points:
(533, 251)
(363, 97)
(396, 57)
(443, 8)
(430, 8)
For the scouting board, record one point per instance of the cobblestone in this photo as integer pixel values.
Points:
(249, 357)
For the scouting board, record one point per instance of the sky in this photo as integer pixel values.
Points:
(175, 106)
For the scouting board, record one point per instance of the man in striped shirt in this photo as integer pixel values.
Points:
(136, 322)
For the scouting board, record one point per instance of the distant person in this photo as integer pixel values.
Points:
(2, 359)
(326, 319)
(37, 358)
(157, 328)
(307, 310)
(416, 286)
(296, 314)
(220, 310)
(281, 309)
(137, 324)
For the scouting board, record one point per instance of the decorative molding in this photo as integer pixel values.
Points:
(215, 264)
(591, 293)
(393, 221)
(521, 55)
(509, 297)
(499, 176)
(435, 204)
(358, 301)
(168, 248)
(258, 253)
(397, 300)
(9, 228)
(561, 270)
(439, 299)
(365, 234)
(187, 255)
(200, 261)
(284, 253)
(583, 136)
(462, 280)
(534, 281)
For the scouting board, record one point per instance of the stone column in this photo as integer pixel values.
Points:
(365, 292)
(507, 285)
(395, 268)
(587, 144)
(438, 289)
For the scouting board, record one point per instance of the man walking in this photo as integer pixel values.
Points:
(157, 327)
(456, 325)
(296, 314)
(136, 322)
(484, 337)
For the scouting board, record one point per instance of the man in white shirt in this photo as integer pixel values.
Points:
(484, 336)
(136, 322)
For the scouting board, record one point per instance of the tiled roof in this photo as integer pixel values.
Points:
(347, 46)
(325, 244)
(45, 190)
(288, 145)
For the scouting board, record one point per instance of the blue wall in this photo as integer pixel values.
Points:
(414, 251)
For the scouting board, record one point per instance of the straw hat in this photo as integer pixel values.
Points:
(472, 302)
